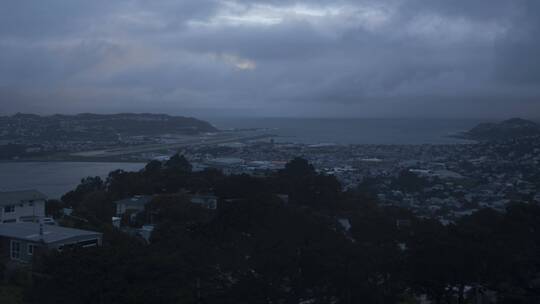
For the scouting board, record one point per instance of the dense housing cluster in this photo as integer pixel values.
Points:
(441, 181)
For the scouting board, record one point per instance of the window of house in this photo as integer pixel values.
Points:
(30, 249)
(9, 209)
(10, 221)
(15, 250)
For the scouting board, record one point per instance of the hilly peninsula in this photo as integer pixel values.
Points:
(24, 136)
(505, 130)
(95, 127)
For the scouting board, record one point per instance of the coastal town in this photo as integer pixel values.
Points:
(441, 181)
(249, 180)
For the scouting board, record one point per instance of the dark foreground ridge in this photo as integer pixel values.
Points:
(508, 129)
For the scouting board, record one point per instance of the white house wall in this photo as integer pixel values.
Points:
(26, 209)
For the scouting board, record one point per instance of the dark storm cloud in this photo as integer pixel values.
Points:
(26, 18)
(272, 57)
(517, 51)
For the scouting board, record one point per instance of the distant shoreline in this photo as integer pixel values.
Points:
(85, 160)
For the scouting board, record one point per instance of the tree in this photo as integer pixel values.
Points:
(241, 186)
(153, 168)
(96, 207)
(429, 255)
(177, 171)
(174, 209)
(121, 184)
(178, 163)
(87, 186)
(204, 181)
(315, 190)
(298, 168)
(54, 208)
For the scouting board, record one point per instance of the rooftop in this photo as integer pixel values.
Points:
(15, 197)
(51, 234)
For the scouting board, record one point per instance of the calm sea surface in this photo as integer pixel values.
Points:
(54, 178)
(354, 131)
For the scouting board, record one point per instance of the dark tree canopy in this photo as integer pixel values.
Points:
(256, 249)
(178, 163)
(298, 168)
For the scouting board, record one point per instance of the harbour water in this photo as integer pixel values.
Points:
(353, 131)
(54, 178)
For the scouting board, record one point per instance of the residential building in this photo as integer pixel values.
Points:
(21, 241)
(22, 206)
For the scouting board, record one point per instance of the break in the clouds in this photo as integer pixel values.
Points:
(270, 57)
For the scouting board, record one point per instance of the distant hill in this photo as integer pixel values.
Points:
(97, 127)
(508, 129)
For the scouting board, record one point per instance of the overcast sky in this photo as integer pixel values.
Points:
(373, 58)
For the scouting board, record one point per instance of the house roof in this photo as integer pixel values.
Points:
(138, 200)
(15, 197)
(51, 233)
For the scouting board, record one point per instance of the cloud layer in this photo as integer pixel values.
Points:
(461, 58)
